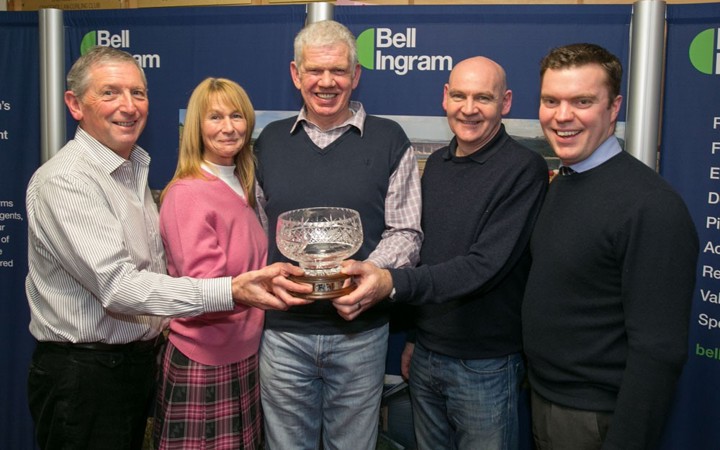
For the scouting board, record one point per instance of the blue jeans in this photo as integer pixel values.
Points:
(322, 385)
(465, 404)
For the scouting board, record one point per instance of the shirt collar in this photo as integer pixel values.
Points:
(480, 155)
(607, 150)
(108, 158)
(357, 119)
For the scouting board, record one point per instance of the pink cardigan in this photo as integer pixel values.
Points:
(210, 231)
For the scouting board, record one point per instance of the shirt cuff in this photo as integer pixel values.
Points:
(217, 294)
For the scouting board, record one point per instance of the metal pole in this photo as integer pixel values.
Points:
(647, 44)
(318, 11)
(52, 85)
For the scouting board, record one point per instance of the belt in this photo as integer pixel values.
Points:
(130, 347)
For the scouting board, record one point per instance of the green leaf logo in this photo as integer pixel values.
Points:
(88, 41)
(366, 48)
(703, 52)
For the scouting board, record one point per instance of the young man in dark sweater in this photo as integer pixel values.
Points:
(481, 195)
(606, 308)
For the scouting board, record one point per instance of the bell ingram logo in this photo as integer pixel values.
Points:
(122, 40)
(374, 42)
(705, 52)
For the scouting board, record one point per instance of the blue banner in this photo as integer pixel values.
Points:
(179, 47)
(406, 53)
(409, 51)
(690, 161)
(19, 157)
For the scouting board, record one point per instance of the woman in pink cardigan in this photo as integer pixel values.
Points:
(209, 393)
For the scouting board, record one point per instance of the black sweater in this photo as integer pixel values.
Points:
(478, 213)
(606, 309)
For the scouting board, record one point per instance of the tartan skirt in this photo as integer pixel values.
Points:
(207, 407)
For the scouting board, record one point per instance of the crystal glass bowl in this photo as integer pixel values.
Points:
(319, 238)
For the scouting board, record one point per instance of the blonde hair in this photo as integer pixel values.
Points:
(192, 148)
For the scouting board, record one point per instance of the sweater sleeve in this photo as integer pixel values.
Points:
(658, 279)
(189, 233)
(497, 248)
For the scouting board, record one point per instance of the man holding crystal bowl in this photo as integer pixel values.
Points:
(321, 376)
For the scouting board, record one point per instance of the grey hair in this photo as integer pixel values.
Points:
(322, 34)
(78, 78)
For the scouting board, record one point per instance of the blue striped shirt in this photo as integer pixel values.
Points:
(96, 262)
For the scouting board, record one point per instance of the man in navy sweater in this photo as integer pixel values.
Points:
(321, 377)
(481, 195)
(606, 308)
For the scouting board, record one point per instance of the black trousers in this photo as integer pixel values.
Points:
(91, 397)
(557, 427)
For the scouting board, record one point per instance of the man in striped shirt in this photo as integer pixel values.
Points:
(97, 284)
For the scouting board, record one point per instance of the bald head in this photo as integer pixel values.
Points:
(482, 67)
(475, 99)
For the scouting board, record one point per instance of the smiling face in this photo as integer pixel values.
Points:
(475, 99)
(114, 108)
(576, 112)
(223, 133)
(326, 81)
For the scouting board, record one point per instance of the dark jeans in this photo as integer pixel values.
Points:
(465, 403)
(91, 399)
